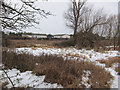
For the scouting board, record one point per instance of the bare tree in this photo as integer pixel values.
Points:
(73, 15)
(16, 17)
(112, 29)
(92, 19)
(119, 26)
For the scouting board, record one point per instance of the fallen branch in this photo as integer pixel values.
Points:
(9, 78)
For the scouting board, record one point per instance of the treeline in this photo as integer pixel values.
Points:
(12, 36)
(15, 34)
(91, 25)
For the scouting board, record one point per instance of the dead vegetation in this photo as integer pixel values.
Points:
(108, 63)
(117, 69)
(23, 62)
(111, 61)
(32, 43)
(67, 73)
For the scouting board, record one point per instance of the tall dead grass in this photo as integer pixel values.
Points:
(110, 61)
(67, 73)
(32, 43)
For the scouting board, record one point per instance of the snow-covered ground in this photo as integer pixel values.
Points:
(81, 54)
(28, 79)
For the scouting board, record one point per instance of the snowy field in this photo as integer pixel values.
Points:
(27, 79)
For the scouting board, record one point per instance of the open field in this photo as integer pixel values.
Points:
(33, 42)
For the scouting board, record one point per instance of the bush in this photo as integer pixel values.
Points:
(67, 43)
(87, 39)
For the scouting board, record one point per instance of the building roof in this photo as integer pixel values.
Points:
(60, 34)
(34, 34)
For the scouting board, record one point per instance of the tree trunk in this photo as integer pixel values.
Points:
(114, 43)
(75, 34)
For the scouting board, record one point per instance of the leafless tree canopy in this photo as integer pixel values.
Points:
(16, 17)
(112, 26)
(92, 19)
(82, 18)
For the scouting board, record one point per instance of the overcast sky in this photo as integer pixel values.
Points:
(56, 24)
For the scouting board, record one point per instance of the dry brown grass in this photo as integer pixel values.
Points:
(4, 84)
(23, 62)
(103, 49)
(110, 61)
(67, 73)
(34, 48)
(32, 43)
(117, 69)
(90, 55)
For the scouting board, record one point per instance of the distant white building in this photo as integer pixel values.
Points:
(39, 36)
(62, 36)
(66, 36)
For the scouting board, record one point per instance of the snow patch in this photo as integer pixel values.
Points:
(85, 79)
(27, 79)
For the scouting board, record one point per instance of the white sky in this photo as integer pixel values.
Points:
(56, 24)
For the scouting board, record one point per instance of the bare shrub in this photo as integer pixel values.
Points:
(66, 43)
(87, 39)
